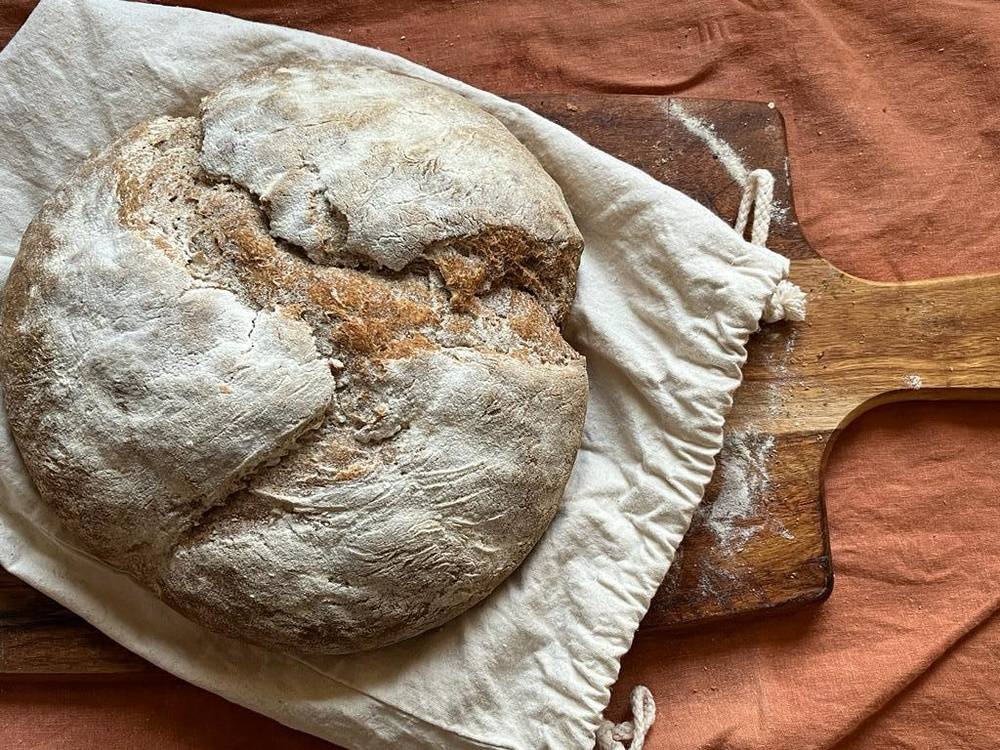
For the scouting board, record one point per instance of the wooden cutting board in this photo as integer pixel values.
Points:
(758, 543)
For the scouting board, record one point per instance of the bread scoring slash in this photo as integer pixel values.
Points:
(295, 364)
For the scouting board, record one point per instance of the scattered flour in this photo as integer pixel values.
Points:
(778, 364)
(731, 161)
(914, 382)
(718, 582)
(734, 517)
(780, 211)
(706, 132)
(781, 530)
(737, 515)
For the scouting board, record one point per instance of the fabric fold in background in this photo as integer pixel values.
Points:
(668, 295)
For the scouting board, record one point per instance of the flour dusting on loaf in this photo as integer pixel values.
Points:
(295, 364)
(360, 166)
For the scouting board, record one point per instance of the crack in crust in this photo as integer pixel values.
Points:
(368, 169)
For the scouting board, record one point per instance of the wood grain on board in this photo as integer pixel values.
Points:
(758, 542)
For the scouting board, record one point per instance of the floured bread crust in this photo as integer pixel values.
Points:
(362, 167)
(264, 390)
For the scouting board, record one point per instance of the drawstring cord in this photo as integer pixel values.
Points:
(611, 736)
(758, 191)
(787, 302)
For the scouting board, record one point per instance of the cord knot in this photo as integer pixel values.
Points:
(787, 302)
(610, 736)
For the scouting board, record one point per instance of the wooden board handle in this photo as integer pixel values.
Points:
(863, 344)
(866, 343)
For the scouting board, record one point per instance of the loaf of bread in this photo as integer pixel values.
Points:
(295, 363)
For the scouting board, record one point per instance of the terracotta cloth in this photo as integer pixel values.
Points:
(894, 130)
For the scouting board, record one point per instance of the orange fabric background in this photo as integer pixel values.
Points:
(894, 131)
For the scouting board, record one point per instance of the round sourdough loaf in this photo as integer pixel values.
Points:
(294, 364)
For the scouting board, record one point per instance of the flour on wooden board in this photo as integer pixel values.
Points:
(737, 513)
(734, 517)
(778, 364)
(728, 157)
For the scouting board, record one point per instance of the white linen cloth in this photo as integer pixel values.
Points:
(668, 296)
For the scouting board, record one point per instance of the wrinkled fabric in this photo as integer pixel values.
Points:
(667, 297)
(894, 139)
